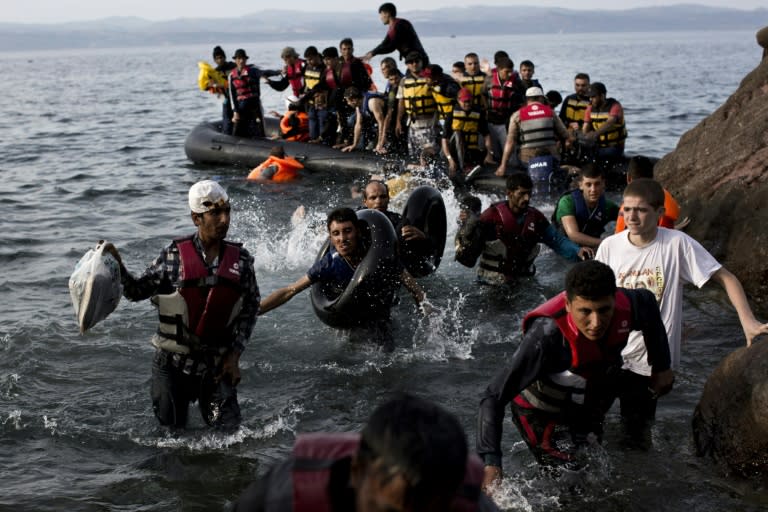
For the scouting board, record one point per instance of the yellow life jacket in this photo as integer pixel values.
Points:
(467, 123)
(618, 132)
(208, 73)
(418, 96)
(575, 108)
(475, 84)
(444, 103)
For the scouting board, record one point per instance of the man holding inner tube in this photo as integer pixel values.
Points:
(335, 269)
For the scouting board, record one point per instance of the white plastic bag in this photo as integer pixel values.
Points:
(95, 287)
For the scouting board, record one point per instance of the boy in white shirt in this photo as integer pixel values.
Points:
(662, 260)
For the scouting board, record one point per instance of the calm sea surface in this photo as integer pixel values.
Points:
(91, 147)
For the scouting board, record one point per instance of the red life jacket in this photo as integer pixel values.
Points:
(211, 299)
(330, 79)
(537, 126)
(500, 95)
(245, 86)
(346, 72)
(314, 454)
(586, 353)
(295, 76)
(517, 237)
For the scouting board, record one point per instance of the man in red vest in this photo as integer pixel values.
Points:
(411, 455)
(534, 130)
(563, 377)
(207, 298)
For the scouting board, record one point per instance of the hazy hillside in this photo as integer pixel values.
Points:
(296, 25)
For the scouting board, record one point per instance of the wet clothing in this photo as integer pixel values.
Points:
(333, 271)
(277, 169)
(401, 36)
(179, 378)
(517, 236)
(545, 356)
(591, 222)
(316, 477)
(465, 132)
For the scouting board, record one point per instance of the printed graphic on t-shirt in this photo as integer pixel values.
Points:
(652, 279)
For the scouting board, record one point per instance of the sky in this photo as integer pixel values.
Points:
(57, 11)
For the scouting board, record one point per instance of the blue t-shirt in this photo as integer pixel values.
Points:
(332, 271)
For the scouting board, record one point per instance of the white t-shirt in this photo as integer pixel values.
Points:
(663, 267)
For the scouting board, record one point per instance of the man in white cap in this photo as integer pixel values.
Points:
(535, 129)
(207, 297)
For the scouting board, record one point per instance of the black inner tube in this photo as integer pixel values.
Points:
(425, 209)
(369, 295)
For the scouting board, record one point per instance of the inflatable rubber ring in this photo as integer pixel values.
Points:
(425, 209)
(371, 290)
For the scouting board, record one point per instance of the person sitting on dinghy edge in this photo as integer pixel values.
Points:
(509, 235)
(207, 298)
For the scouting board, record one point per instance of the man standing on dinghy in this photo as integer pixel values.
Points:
(401, 36)
(207, 297)
(336, 268)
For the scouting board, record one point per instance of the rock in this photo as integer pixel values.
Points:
(719, 172)
(730, 422)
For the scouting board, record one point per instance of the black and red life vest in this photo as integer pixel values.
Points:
(246, 83)
(295, 76)
(500, 98)
(563, 391)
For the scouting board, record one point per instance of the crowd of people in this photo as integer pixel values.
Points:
(613, 333)
(479, 114)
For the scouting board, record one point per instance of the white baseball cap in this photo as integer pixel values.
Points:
(533, 92)
(206, 195)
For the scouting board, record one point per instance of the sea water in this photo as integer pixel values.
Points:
(92, 148)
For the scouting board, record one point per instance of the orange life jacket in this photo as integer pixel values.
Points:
(287, 169)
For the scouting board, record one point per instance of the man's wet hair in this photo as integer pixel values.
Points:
(591, 171)
(554, 98)
(341, 215)
(527, 63)
(501, 54)
(519, 180)
(581, 76)
(311, 51)
(378, 182)
(459, 64)
(389, 8)
(471, 203)
(640, 167)
(472, 55)
(591, 280)
(647, 189)
(420, 441)
(346, 41)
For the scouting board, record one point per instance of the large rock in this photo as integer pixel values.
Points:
(719, 172)
(731, 420)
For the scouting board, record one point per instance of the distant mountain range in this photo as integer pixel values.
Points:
(302, 26)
